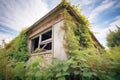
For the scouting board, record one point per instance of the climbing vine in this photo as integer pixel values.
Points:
(83, 63)
(18, 48)
(77, 35)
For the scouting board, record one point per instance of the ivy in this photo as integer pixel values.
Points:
(18, 48)
(83, 61)
(72, 41)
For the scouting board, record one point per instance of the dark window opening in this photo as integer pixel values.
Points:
(35, 43)
(45, 42)
(47, 46)
(42, 45)
(47, 35)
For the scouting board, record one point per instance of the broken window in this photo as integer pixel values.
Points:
(47, 35)
(46, 46)
(44, 41)
(35, 43)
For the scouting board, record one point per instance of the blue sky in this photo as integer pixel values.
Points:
(16, 15)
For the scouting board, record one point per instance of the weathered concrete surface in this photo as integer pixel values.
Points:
(59, 50)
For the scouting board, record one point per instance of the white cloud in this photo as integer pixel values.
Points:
(106, 4)
(87, 2)
(5, 37)
(22, 14)
(102, 33)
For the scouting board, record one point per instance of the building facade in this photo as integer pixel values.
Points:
(48, 36)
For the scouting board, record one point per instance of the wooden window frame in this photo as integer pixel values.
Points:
(44, 41)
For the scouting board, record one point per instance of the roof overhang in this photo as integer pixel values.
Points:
(70, 10)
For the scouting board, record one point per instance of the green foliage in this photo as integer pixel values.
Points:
(72, 41)
(19, 71)
(38, 50)
(83, 33)
(83, 20)
(113, 63)
(84, 61)
(86, 66)
(57, 70)
(6, 66)
(77, 35)
(17, 48)
(34, 68)
(11, 57)
(113, 38)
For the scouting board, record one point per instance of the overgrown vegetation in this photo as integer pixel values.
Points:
(13, 56)
(17, 48)
(84, 61)
(113, 38)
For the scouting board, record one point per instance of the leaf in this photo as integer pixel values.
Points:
(38, 74)
(59, 74)
(61, 78)
(76, 72)
(87, 74)
(65, 68)
(66, 73)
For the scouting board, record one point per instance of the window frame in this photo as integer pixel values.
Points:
(44, 41)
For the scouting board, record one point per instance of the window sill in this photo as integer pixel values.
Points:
(41, 53)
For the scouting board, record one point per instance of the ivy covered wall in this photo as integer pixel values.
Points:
(18, 48)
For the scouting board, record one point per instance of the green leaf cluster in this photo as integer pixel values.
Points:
(18, 48)
(84, 61)
(113, 38)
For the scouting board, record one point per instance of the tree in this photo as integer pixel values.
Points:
(113, 38)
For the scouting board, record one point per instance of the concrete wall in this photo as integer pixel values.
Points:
(47, 57)
(58, 41)
(58, 51)
(45, 24)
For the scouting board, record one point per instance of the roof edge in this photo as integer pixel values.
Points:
(66, 5)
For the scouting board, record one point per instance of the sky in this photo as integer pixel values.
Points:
(16, 15)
